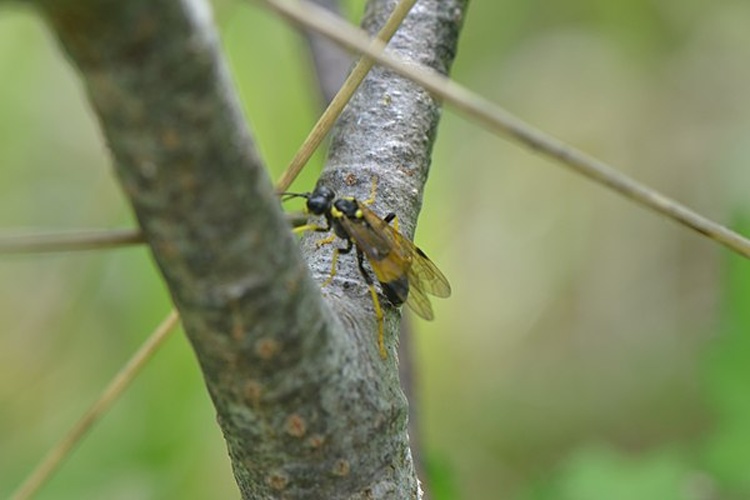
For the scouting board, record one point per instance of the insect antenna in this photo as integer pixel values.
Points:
(289, 196)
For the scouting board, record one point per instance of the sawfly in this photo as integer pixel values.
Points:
(405, 273)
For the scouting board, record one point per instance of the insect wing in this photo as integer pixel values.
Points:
(430, 279)
(409, 255)
(386, 262)
(422, 273)
(419, 302)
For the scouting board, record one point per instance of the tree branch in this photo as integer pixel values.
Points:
(388, 128)
(306, 405)
(387, 131)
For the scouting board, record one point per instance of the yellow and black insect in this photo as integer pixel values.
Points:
(403, 270)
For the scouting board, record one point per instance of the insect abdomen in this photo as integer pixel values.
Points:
(397, 290)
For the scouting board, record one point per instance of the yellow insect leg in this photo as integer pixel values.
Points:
(307, 227)
(373, 192)
(314, 227)
(334, 261)
(325, 241)
(379, 316)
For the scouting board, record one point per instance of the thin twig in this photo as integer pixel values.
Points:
(504, 124)
(122, 380)
(337, 104)
(89, 239)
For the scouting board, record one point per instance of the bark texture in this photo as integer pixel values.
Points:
(307, 407)
(386, 133)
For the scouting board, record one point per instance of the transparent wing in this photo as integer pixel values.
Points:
(430, 279)
(421, 272)
(419, 303)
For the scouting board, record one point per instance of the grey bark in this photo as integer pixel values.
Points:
(306, 405)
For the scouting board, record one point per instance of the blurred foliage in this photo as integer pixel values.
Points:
(591, 350)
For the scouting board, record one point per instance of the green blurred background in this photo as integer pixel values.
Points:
(591, 350)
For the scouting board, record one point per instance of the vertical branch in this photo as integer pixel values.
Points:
(388, 129)
(390, 125)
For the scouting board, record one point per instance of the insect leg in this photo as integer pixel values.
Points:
(313, 227)
(392, 217)
(373, 191)
(335, 260)
(318, 229)
(325, 241)
(375, 303)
